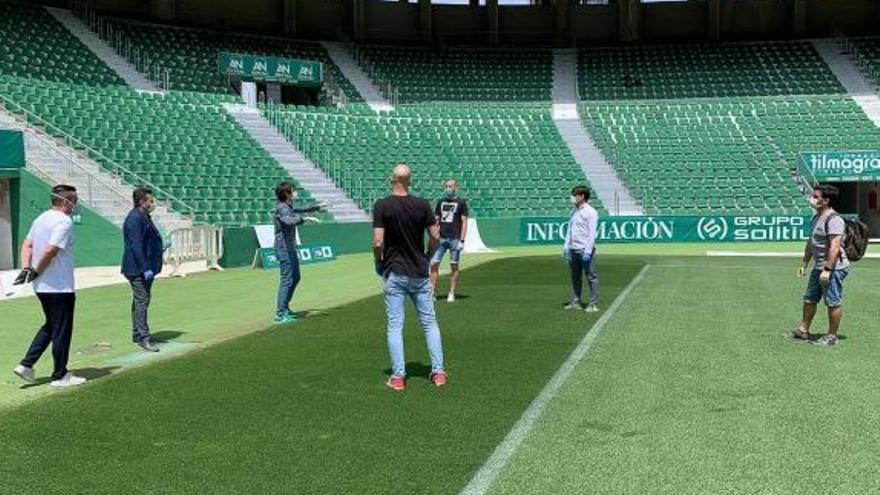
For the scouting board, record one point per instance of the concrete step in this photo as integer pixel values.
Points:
(300, 168)
(102, 192)
(343, 58)
(102, 50)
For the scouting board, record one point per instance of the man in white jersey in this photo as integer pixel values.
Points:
(580, 249)
(47, 258)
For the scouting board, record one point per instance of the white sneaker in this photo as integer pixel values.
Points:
(450, 297)
(25, 373)
(69, 380)
(592, 308)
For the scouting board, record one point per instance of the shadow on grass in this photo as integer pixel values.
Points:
(166, 336)
(458, 297)
(308, 314)
(87, 373)
(414, 369)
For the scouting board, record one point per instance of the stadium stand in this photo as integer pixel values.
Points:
(190, 148)
(190, 55)
(718, 128)
(182, 142)
(692, 71)
(34, 45)
(728, 155)
(867, 52)
(509, 159)
(420, 75)
(689, 128)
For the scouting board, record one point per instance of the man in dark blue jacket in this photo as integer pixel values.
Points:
(141, 262)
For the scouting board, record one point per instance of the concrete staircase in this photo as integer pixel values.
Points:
(55, 162)
(341, 56)
(851, 77)
(565, 98)
(105, 52)
(312, 178)
(608, 187)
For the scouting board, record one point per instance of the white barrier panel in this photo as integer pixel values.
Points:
(473, 243)
(195, 244)
(266, 236)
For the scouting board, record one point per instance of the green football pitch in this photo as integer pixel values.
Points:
(682, 384)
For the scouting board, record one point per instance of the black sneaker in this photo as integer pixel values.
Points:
(827, 340)
(148, 346)
(797, 334)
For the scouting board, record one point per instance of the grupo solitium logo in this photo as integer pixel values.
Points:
(712, 228)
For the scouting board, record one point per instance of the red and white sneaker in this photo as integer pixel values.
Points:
(439, 378)
(396, 383)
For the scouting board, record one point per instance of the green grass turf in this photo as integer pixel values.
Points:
(692, 389)
(211, 307)
(303, 409)
(203, 308)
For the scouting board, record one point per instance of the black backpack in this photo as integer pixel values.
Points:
(855, 239)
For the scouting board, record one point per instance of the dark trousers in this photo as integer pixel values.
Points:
(578, 269)
(58, 329)
(289, 264)
(141, 292)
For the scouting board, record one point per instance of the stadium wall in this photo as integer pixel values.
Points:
(322, 19)
(98, 242)
(405, 22)
(751, 20)
(240, 244)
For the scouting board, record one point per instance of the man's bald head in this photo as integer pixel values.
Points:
(401, 174)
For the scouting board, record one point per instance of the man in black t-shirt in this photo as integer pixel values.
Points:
(399, 225)
(452, 213)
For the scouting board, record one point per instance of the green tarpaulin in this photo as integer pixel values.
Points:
(11, 149)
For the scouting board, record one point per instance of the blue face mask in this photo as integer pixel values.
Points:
(450, 192)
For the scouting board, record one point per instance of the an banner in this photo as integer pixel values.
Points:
(724, 228)
(842, 166)
(272, 69)
(11, 149)
(308, 254)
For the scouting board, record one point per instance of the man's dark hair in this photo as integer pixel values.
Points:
(581, 191)
(62, 193)
(140, 195)
(284, 190)
(828, 192)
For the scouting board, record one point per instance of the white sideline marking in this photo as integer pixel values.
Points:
(769, 254)
(485, 477)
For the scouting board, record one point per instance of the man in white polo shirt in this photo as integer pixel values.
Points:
(47, 258)
(580, 249)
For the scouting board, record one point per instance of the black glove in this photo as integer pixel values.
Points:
(27, 275)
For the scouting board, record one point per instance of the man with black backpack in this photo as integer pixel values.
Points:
(833, 243)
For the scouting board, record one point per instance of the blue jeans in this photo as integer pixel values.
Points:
(454, 246)
(833, 292)
(578, 269)
(397, 288)
(289, 264)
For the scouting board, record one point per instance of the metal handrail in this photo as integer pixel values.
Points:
(53, 147)
(117, 168)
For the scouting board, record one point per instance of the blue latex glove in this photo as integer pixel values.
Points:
(586, 257)
(380, 268)
(149, 275)
(457, 245)
(566, 254)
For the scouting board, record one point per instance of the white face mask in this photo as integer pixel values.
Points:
(814, 202)
(74, 207)
(293, 196)
(574, 200)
